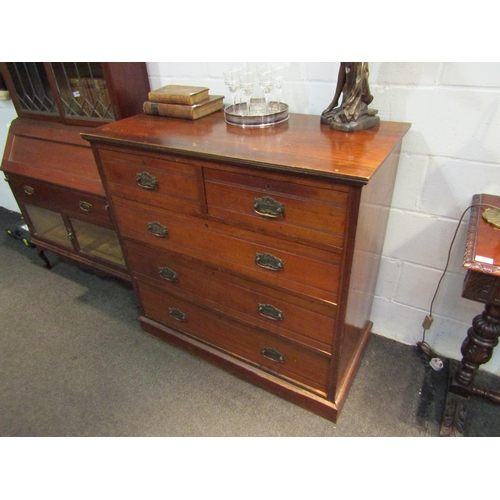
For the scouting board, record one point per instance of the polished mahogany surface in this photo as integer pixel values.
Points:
(294, 144)
(53, 153)
(284, 300)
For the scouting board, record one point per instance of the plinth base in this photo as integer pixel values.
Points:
(362, 124)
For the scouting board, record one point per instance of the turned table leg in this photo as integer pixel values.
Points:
(477, 349)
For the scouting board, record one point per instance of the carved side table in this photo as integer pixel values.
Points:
(481, 284)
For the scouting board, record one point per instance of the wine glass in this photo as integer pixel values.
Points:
(266, 82)
(278, 82)
(233, 84)
(247, 84)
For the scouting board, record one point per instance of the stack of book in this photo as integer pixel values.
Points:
(182, 101)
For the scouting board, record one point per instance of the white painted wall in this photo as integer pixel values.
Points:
(451, 152)
(7, 114)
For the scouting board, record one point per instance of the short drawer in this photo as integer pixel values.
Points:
(310, 210)
(275, 262)
(79, 204)
(267, 351)
(163, 181)
(305, 321)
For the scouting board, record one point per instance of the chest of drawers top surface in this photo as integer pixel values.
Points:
(301, 144)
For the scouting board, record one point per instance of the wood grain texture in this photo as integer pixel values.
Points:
(51, 152)
(301, 144)
(326, 198)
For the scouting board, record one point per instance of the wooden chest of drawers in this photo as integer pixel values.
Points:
(256, 249)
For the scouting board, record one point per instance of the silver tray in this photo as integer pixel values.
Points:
(259, 116)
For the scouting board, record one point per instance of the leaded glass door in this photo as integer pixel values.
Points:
(34, 93)
(83, 90)
(72, 92)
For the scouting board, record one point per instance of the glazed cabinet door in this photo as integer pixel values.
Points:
(48, 225)
(74, 234)
(76, 93)
(83, 91)
(31, 89)
(97, 241)
(74, 223)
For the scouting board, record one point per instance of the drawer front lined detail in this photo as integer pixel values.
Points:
(296, 267)
(163, 182)
(265, 350)
(309, 211)
(307, 322)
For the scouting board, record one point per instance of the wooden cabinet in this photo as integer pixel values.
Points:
(51, 169)
(256, 249)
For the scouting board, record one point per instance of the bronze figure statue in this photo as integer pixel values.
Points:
(353, 114)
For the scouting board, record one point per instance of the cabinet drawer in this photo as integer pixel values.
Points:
(160, 181)
(302, 320)
(79, 204)
(312, 210)
(270, 260)
(263, 349)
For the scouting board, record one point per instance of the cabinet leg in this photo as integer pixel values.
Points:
(42, 255)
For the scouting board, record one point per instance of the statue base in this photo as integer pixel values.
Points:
(361, 124)
(367, 120)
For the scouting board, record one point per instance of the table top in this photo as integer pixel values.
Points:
(301, 144)
(482, 252)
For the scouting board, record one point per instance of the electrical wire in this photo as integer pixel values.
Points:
(423, 344)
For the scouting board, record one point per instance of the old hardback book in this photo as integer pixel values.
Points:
(179, 94)
(193, 112)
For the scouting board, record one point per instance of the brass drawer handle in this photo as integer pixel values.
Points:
(168, 274)
(267, 207)
(176, 314)
(269, 261)
(272, 354)
(146, 181)
(86, 206)
(157, 229)
(270, 312)
(29, 190)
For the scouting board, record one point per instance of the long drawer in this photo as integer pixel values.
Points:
(291, 206)
(163, 181)
(296, 267)
(82, 205)
(305, 321)
(267, 351)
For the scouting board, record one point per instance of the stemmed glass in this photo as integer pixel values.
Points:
(232, 81)
(278, 82)
(266, 82)
(247, 84)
